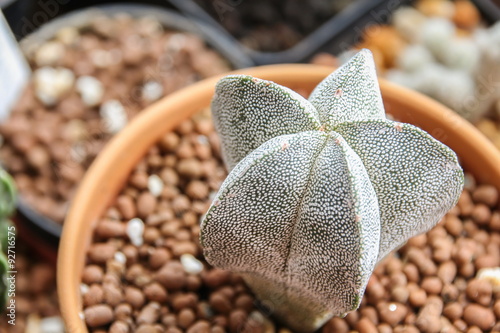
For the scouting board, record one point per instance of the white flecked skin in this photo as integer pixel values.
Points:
(320, 190)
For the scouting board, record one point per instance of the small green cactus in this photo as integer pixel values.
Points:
(319, 190)
(8, 195)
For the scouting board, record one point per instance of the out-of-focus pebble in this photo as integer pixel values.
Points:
(51, 84)
(91, 90)
(151, 91)
(49, 54)
(191, 264)
(135, 231)
(113, 115)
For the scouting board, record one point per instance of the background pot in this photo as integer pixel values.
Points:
(39, 231)
(110, 170)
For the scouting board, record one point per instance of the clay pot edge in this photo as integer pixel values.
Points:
(111, 168)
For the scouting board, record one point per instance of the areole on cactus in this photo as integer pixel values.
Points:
(319, 190)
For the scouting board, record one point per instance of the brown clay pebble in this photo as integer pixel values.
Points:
(147, 328)
(92, 274)
(366, 326)
(199, 327)
(466, 15)
(417, 297)
(479, 316)
(453, 311)
(134, 297)
(336, 325)
(432, 285)
(126, 206)
(447, 271)
(216, 277)
(98, 315)
(123, 311)
(220, 303)
(119, 327)
(149, 313)
(185, 318)
(155, 292)
(428, 317)
(108, 229)
(94, 295)
(99, 253)
(481, 214)
(392, 313)
(197, 190)
(146, 204)
(479, 291)
(171, 276)
(400, 294)
(496, 309)
(112, 295)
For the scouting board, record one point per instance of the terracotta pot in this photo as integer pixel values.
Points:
(110, 170)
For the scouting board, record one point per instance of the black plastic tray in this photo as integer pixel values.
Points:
(335, 36)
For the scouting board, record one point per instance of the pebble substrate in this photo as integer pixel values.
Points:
(87, 84)
(429, 285)
(37, 308)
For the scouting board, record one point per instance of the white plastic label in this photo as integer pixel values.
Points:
(14, 70)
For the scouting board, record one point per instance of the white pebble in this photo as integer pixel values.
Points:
(155, 185)
(68, 35)
(202, 139)
(91, 90)
(49, 54)
(151, 91)
(414, 57)
(408, 22)
(51, 84)
(114, 116)
(135, 231)
(120, 257)
(78, 152)
(176, 42)
(257, 316)
(101, 58)
(33, 323)
(191, 264)
(436, 34)
(492, 275)
(52, 325)
(84, 288)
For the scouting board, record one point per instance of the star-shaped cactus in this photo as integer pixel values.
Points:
(319, 190)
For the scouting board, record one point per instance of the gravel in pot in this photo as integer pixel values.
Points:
(145, 272)
(89, 80)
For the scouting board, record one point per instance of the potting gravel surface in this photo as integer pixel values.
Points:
(145, 271)
(36, 302)
(87, 84)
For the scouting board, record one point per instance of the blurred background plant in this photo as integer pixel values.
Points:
(7, 206)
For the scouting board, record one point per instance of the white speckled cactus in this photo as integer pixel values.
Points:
(319, 190)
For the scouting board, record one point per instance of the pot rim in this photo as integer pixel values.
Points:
(102, 181)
